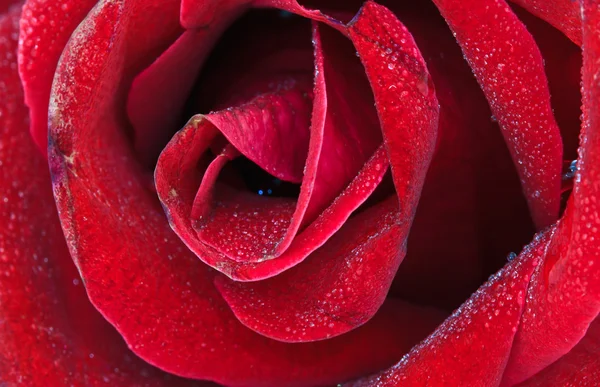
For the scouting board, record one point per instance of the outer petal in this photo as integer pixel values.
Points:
(50, 334)
(39, 51)
(578, 368)
(136, 271)
(509, 68)
(472, 346)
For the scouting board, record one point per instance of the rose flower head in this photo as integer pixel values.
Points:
(299, 193)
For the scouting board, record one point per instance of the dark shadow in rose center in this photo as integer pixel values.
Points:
(262, 183)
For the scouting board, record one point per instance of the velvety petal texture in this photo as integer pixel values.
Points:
(580, 367)
(472, 346)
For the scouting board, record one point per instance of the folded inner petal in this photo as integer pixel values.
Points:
(342, 284)
(344, 134)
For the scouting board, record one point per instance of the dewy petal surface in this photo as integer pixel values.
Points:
(39, 51)
(481, 197)
(565, 293)
(137, 272)
(50, 334)
(472, 346)
(562, 14)
(509, 67)
(580, 367)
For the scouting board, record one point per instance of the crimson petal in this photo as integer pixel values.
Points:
(50, 333)
(39, 52)
(559, 298)
(565, 292)
(562, 14)
(580, 367)
(152, 115)
(138, 274)
(472, 346)
(509, 67)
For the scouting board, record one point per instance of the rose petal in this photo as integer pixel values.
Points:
(50, 333)
(272, 130)
(580, 367)
(39, 52)
(472, 211)
(562, 14)
(405, 98)
(137, 272)
(472, 346)
(155, 117)
(509, 68)
(198, 13)
(565, 293)
(562, 63)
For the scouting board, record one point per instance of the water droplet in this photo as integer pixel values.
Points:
(572, 169)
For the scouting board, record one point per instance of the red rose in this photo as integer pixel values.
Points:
(266, 241)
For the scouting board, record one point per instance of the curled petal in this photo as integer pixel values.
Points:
(343, 137)
(345, 281)
(509, 67)
(39, 52)
(50, 333)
